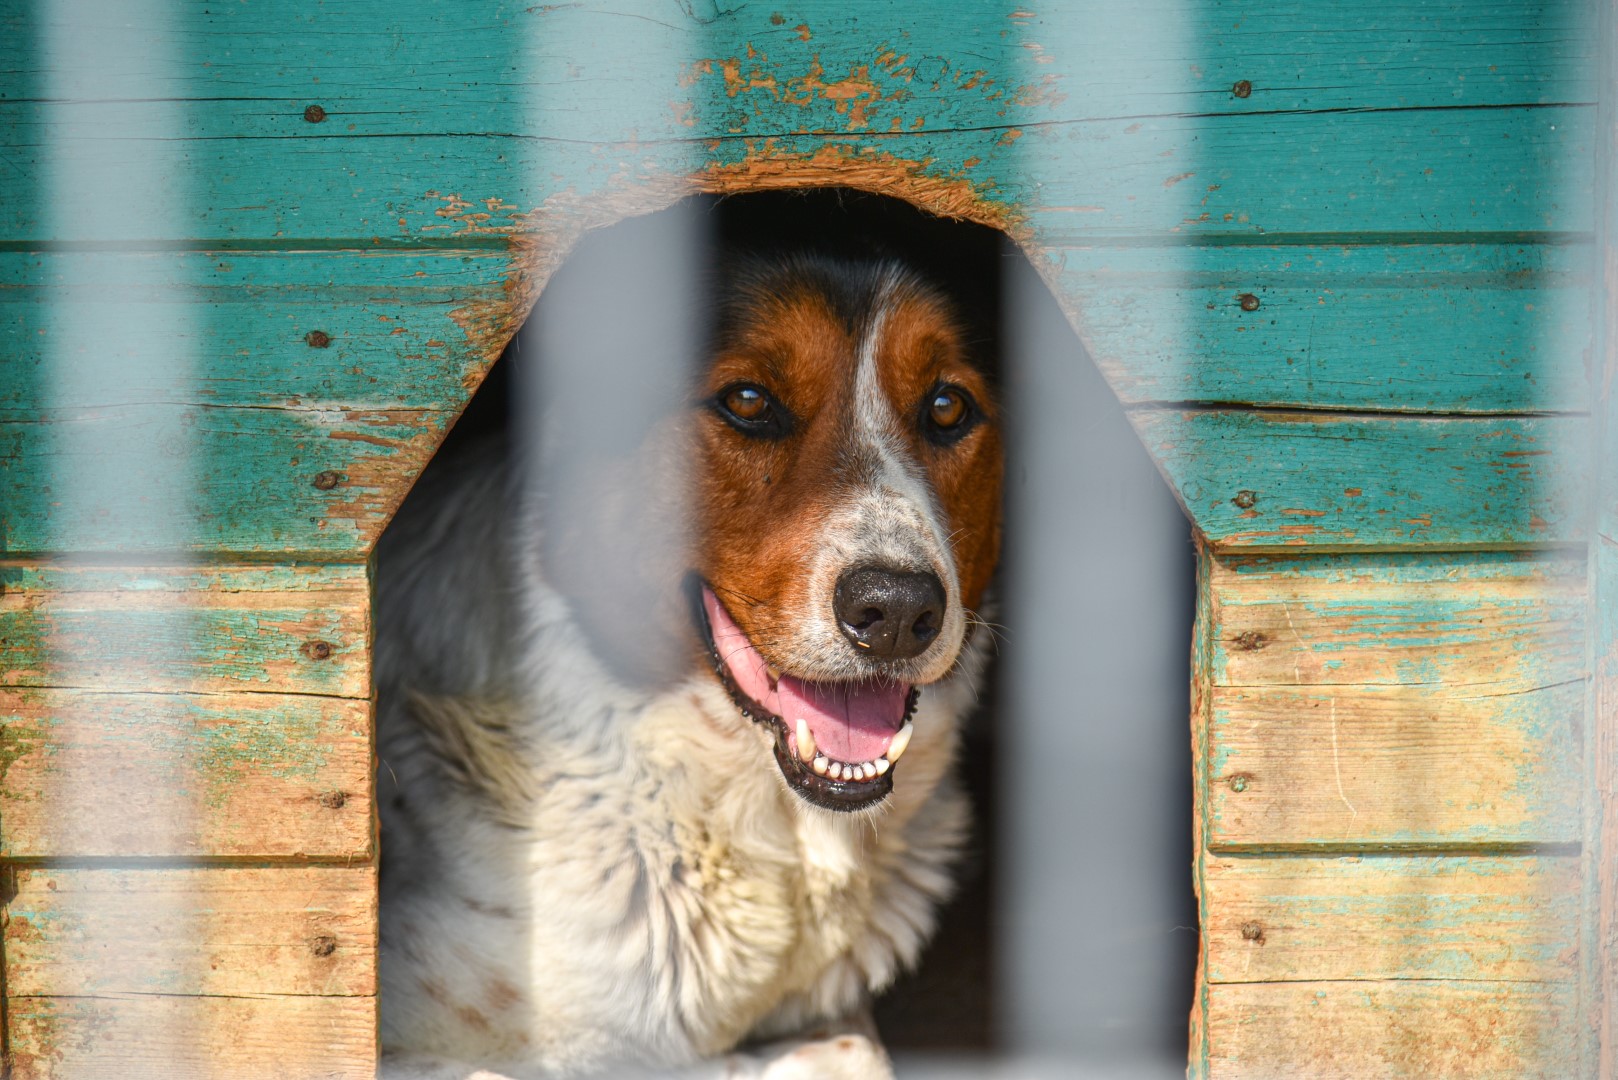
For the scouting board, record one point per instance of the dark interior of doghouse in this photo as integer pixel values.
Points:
(1122, 923)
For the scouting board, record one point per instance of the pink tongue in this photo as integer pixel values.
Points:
(850, 722)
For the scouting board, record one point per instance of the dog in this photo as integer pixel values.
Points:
(640, 807)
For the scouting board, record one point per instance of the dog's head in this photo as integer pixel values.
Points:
(840, 470)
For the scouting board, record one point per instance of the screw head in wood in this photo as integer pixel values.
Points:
(1248, 301)
(327, 479)
(333, 800)
(1252, 931)
(317, 339)
(1245, 499)
(1238, 783)
(323, 945)
(314, 114)
(1242, 89)
(317, 650)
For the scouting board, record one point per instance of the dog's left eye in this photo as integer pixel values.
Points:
(948, 414)
(750, 409)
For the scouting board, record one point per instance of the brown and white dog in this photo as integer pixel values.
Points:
(635, 819)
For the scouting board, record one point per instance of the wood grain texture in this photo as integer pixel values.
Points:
(393, 322)
(123, 1036)
(1374, 768)
(1395, 701)
(1187, 57)
(204, 629)
(1462, 328)
(1255, 480)
(87, 480)
(220, 931)
(1305, 919)
(93, 773)
(1119, 126)
(1393, 1028)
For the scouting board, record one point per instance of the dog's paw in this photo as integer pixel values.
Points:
(843, 1057)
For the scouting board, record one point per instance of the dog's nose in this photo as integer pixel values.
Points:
(892, 615)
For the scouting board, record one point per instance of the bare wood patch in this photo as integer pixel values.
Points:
(1393, 1028)
(1389, 767)
(221, 931)
(1309, 919)
(86, 773)
(118, 1036)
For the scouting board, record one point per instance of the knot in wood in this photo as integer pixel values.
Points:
(326, 479)
(314, 114)
(1243, 88)
(1248, 301)
(1245, 499)
(317, 650)
(1250, 641)
(317, 339)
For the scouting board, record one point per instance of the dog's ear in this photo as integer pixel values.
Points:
(605, 415)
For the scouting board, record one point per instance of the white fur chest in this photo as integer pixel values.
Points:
(661, 895)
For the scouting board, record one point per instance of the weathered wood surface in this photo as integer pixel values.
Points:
(1412, 1029)
(1133, 119)
(220, 931)
(1395, 701)
(202, 629)
(393, 322)
(147, 1036)
(96, 773)
(1467, 328)
(274, 403)
(1256, 480)
(1354, 918)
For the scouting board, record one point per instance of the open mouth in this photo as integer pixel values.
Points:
(837, 743)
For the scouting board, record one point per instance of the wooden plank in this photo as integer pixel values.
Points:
(220, 931)
(951, 68)
(125, 1036)
(168, 401)
(1306, 919)
(392, 328)
(208, 629)
(1394, 1028)
(1274, 479)
(1468, 328)
(289, 481)
(1387, 767)
(1203, 630)
(1394, 700)
(89, 773)
(1512, 171)
(1018, 112)
(1493, 621)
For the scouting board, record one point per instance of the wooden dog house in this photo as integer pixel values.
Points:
(1351, 268)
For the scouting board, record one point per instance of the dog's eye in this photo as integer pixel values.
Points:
(751, 410)
(949, 414)
(747, 403)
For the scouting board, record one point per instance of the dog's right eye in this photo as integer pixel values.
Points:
(750, 409)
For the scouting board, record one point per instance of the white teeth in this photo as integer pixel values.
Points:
(820, 764)
(806, 741)
(900, 741)
(837, 770)
(868, 769)
(881, 765)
